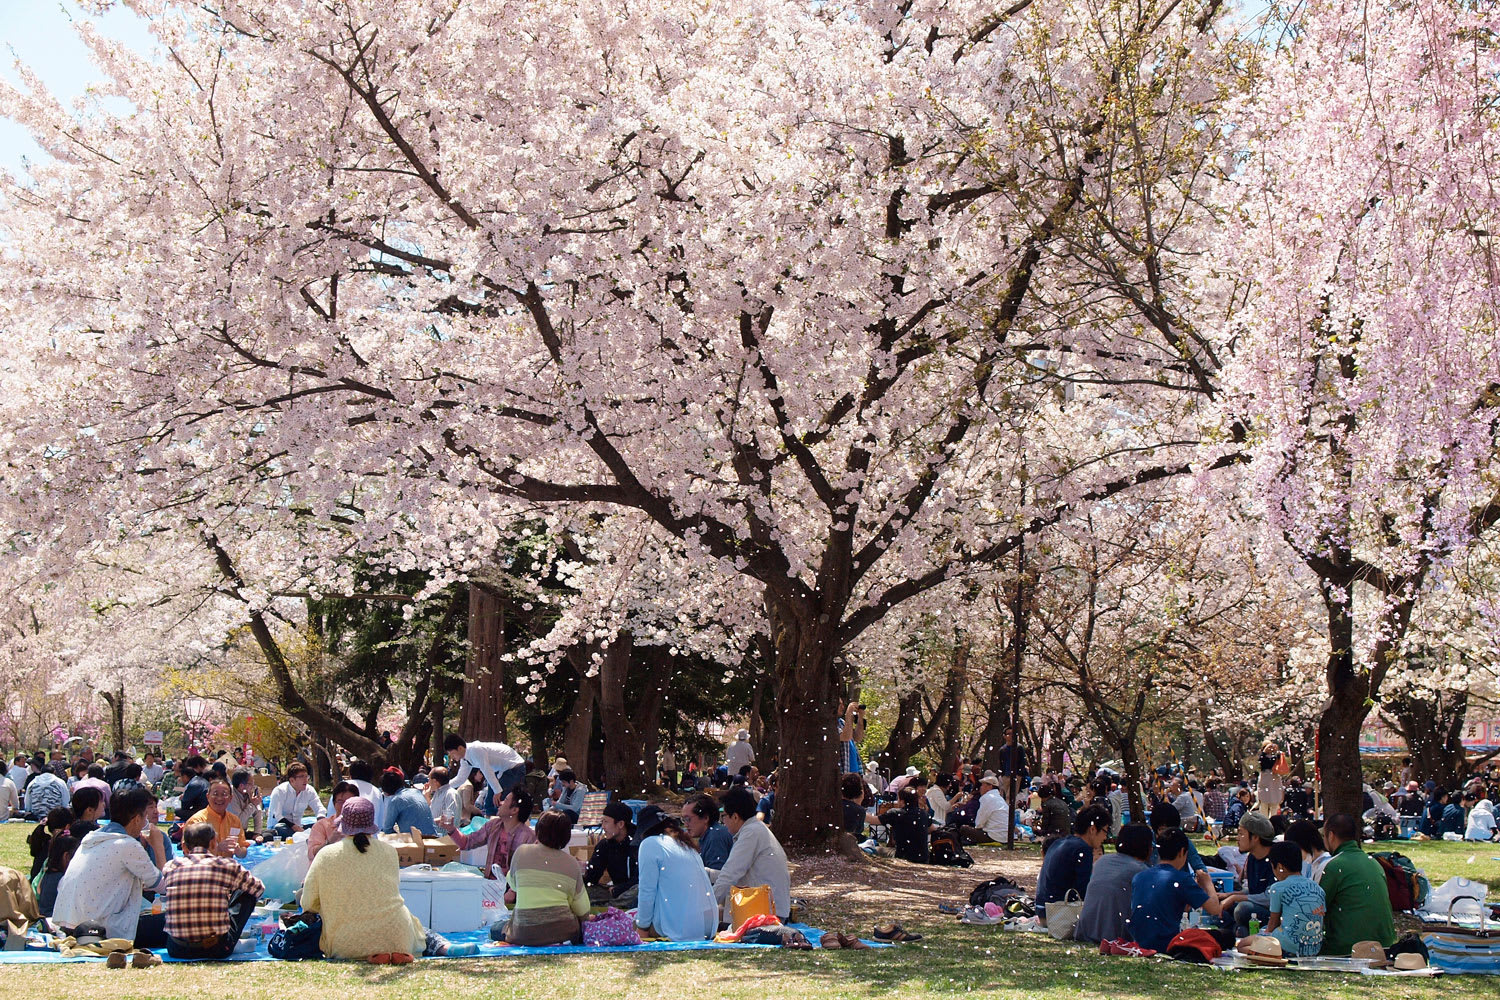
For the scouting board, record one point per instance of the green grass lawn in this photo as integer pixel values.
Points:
(953, 960)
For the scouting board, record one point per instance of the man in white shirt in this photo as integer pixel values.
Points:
(151, 770)
(993, 818)
(502, 767)
(290, 800)
(17, 773)
(10, 799)
(739, 753)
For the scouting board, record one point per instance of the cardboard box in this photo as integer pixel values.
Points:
(265, 783)
(414, 849)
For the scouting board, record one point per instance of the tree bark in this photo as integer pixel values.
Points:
(1433, 730)
(957, 675)
(116, 701)
(1344, 712)
(898, 746)
(807, 812)
(1130, 756)
(482, 710)
(624, 764)
(580, 724)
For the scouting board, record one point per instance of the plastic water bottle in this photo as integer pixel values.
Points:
(1254, 926)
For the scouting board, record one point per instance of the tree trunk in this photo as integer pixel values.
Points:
(624, 764)
(954, 695)
(580, 726)
(1131, 757)
(1344, 713)
(807, 813)
(1433, 730)
(1232, 768)
(437, 727)
(482, 711)
(661, 665)
(897, 753)
(116, 701)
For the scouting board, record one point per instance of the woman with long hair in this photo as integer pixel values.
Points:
(676, 899)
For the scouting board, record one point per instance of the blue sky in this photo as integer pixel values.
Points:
(39, 33)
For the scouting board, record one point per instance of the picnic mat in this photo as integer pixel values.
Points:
(1233, 961)
(40, 955)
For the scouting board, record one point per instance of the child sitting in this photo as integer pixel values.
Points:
(59, 853)
(1297, 904)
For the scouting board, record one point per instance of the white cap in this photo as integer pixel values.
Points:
(743, 734)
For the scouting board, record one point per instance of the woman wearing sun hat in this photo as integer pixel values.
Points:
(355, 886)
(675, 897)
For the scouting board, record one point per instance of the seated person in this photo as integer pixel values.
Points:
(326, 830)
(45, 792)
(1256, 834)
(503, 835)
(1297, 905)
(39, 840)
(291, 800)
(756, 857)
(767, 802)
(88, 805)
(615, 854)
(209, 897)
(567, 795)
(1357, 902)
(940, 798)
(1106, 903)
(853, 790)
(355, 886)
(676, 898)
(1069, 862)
(1481, 823)
(442, 800)
(1162, 893)
(1453, 816)
(1432, 813)
(1163, 818)
(548, 885)
(700, 818)
(1304, 833)
(229, 836)
(245, 803)
(908, 824)
(992, 818)
(1235, 811)
(59, 853)
(1053, 818)
(405, 807)
(109, 871)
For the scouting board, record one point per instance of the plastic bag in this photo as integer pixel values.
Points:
(283, 872)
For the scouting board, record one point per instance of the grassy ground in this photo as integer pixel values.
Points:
(952, 960)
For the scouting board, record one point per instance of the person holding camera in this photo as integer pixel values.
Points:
(851, 735)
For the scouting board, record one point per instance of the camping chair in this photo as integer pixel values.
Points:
(591, 814)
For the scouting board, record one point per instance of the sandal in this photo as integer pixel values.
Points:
(795, 939)
(950, 908)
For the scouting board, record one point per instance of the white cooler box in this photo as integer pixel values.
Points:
(445, 902)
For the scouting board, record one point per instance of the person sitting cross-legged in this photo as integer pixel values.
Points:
(550, 897)
(908, 824)
(111, 868)
(229, 835)
(700, 818)
(1161, 894)
(992, 820)
(1354, 889)
(757, 857)
(405, 807)
(291, 800)
(1256, 834)
(1069, 862)
(1297, 905)
(1106, 902)
(503, 835)
(209, 897)
(617, 855)
(676, 898)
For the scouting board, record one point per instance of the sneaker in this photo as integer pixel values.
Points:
(977, 915)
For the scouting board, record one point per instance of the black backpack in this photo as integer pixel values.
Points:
(997, 891)
(947, 851)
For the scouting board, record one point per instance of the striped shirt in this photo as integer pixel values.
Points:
(197, 887)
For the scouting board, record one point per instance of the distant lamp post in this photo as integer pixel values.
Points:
(194, 709)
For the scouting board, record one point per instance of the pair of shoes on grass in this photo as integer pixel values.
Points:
(138, 959)
(834, 940)
(391, 958)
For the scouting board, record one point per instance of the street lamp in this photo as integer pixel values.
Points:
(194, 709)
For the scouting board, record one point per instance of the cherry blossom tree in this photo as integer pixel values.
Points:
(1364, 238)
(792, 284)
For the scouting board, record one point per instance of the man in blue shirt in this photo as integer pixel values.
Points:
(1070, 861)
(700, 818)
(1166, 817)
(405, 807)
(1161, 894)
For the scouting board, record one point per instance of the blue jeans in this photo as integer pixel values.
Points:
(509, 778)
(1243, 911)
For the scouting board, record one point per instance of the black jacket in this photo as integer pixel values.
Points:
(617, 858)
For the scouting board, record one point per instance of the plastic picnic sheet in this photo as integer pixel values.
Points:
(43, 956)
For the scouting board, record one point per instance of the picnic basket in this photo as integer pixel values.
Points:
(1464, 950)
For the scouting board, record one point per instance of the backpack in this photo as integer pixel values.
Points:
(946, 850)
(298, 940)
(1408, 887)
(997, 891)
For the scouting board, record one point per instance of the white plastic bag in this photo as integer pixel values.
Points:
(284, 872)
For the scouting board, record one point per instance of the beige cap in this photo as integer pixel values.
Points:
(1374, 951)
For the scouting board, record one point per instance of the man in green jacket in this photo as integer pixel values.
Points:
(1358, 905)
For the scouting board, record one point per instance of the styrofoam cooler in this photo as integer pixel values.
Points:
(416, 891)
(457, 902)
